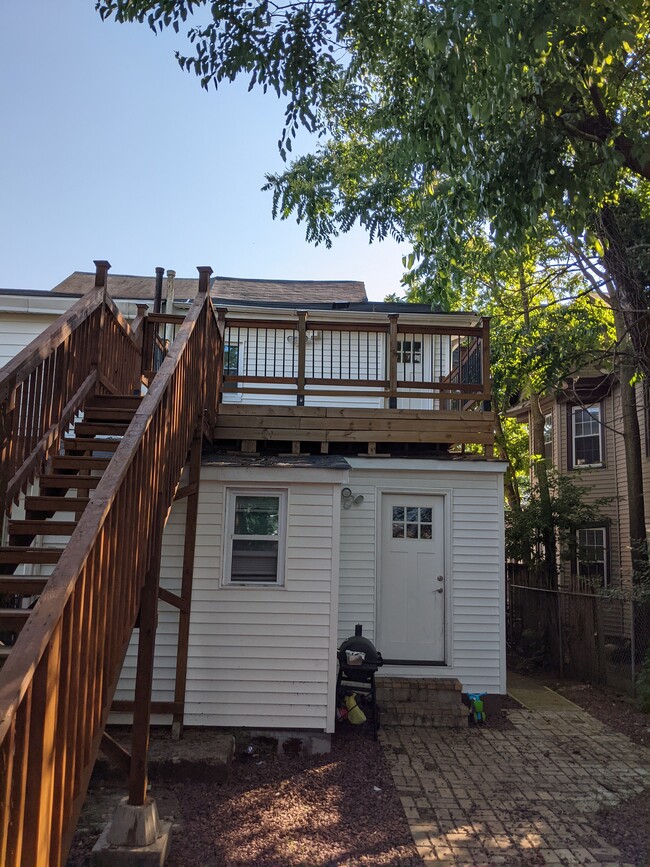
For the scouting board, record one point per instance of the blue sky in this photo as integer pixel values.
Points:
(109, 150)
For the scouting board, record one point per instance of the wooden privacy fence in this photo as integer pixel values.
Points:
(57, 685)
(378, 357)
(91, 349)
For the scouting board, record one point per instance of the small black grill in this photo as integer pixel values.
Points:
(359, 660)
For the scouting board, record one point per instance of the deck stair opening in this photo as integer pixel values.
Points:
(89, 468)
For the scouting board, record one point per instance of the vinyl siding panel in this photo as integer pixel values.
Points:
(258, 656)
(17, 330)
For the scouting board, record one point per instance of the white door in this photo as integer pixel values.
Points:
(412, 591)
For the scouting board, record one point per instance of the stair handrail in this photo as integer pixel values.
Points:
(90, 348)
(65, 665)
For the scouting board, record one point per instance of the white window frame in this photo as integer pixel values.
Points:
(229, 534)
(603, 532)
(415, 355)
(574, 411)
(548, 428)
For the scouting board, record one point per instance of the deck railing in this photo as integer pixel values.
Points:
(57, 685)
(90, 349)
(312, 358)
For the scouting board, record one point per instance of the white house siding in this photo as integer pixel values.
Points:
(258, 656)
(17, 330)
(475, 614)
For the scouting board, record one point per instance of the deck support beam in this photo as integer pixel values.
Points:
(144, 673)
(189, 548)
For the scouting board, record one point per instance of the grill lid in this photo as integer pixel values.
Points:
(358, 644)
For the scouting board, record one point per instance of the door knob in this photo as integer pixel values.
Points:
(439, 590)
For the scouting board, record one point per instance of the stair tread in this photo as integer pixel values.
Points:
(81, 462)
(117, 400)
(19, 554)
(13, 619)
(55, 504)
(84, 428)
(90, 444)
(54, 480)
(22, 585)
(41, 527)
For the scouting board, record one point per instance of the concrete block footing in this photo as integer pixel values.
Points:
(135, 837)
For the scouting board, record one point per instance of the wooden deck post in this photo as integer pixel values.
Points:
(302, 350)
(392, 361)
(485, 375)
(186, 583)
(144, 673)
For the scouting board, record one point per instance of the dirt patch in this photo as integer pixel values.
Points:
(285, 811)
(618, 712)
(627, 827)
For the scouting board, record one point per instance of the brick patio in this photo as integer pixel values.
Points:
(523, 796)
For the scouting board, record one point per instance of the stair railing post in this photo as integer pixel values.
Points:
(144, 672)
(302, 351)
(101, 282)
(392, 360)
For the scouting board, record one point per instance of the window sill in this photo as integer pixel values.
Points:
(598, 466)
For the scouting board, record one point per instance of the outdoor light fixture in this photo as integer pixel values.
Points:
(349, 498)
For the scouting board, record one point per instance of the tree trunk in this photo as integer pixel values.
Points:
(630, 285)
(510, 480)
(540, 471)
(633, 458)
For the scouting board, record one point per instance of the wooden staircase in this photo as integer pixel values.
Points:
(81, 563)
(65, 487)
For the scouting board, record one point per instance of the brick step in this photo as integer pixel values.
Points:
(423, 689)
(421, 701)
(422, 714)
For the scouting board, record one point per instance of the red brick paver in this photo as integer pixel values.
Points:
(524, 796)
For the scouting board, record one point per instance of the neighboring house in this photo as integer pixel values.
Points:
(336, 492)
(583, 440)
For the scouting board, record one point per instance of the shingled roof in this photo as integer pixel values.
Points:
(125, 286)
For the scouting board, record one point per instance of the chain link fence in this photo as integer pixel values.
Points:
(600, 637)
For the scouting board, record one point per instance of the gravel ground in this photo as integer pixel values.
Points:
(284, 811)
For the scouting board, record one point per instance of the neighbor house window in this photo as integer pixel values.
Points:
(548, 435)
(409, 351)
(231, 359)
(255, 541)
(591, 557)
(587, 436)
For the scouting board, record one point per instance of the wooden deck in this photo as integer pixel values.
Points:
(346, 425)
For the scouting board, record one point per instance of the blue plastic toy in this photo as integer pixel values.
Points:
(476, 707)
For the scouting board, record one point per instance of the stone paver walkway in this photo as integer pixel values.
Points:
(517, 797)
